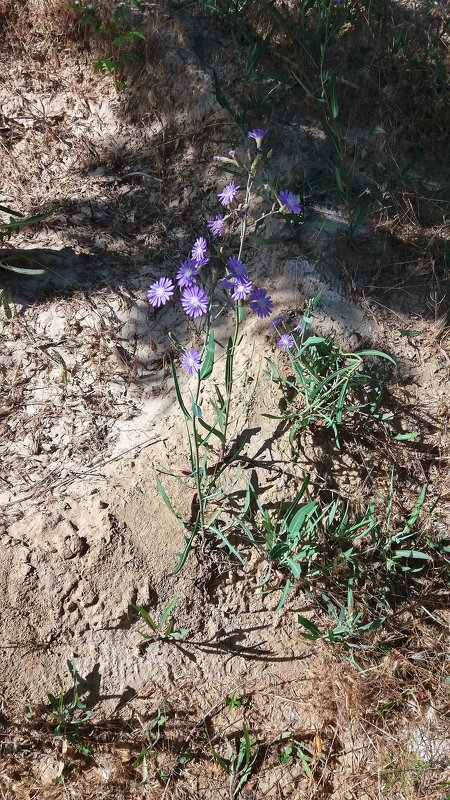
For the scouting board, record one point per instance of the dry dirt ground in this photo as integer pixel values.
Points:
(89, 417)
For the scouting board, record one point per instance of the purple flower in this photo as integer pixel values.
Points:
(199, 249)
(217, 225)
(258, 135)
(275, 321)
(187, 273)
(194, 301)
(237, 268)
(227, 283)
(191, 361)
(299, 325)
(228, 193)
(261, 303)
(160, 292)
(290, 201)
(242, 288)
(286, 341)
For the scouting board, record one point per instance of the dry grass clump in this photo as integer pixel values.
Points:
(35, 23)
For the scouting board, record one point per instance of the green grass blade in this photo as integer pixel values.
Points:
(376, 353)
(286, 589)
(182, 557)
(169, 505)
(416, 511)
(177, 390)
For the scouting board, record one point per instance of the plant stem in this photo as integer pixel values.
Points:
(237, 304)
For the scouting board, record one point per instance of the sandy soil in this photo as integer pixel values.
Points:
(84, 533)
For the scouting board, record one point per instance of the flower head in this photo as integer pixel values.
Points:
(187, 273)
(237, 268)
(275, 321)
(160, 292)
(194, 301)
(191, 361)
(200, 248)
(290, 201)
(261, 303)
(258, 135)
(217, 225)
(202, 261)
(299, 326)
(228, 193)
(286, 341)
(241, 288)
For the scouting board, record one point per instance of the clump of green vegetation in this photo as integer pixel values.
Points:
(239, 760)
(17, 223)
(66, 715)
(328, 386)
(118, 31)
(164, 628)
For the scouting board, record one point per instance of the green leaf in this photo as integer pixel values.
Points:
(10, 211)
(211, 431)
(168, 610)
(416, 511)
(294, 567)
(412, 554)
(146, 617)
(5, 304)
(333, 100)
(406, 332)
(17, 224)
(196, 410)
(376, 353)
(182, 557)
(369, 627)
(314, 630)
(22, 270)
(299, 518)
(224, 542)
(137, 34)
(169, 505)
(339, 179)
(208, 360)
(177, 390)
(278, 551)
(180, 633)
(403, 437)
(229, 366)
(284, 594)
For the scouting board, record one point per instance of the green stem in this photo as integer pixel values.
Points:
(237, 305)
(194, 446)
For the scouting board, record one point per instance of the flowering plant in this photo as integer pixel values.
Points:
(208, 282)
(327, 385)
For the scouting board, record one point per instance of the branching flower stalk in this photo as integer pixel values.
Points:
(200, 289)
(238, 312)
